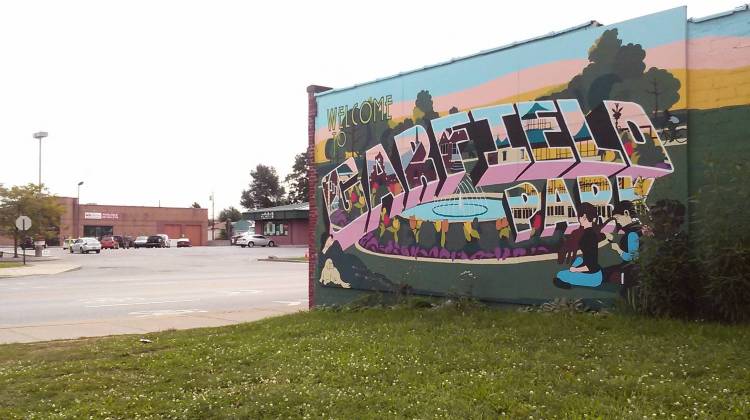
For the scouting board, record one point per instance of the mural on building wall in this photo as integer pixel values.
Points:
(516, 175)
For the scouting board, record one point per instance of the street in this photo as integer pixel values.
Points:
(142, 290)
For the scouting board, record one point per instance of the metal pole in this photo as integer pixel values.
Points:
(23, 224)
(40, 163)
(213, 216)
(78, 212)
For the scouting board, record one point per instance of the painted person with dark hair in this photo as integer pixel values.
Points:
(628, 246)
(631, 228)
(585, 270)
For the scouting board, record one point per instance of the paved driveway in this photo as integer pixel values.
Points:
(143, 290)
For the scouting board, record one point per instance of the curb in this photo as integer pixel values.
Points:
(10, 276)
(283, 260)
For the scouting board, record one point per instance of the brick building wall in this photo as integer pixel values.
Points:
(297, 232)
(312, 190)
(131, 221)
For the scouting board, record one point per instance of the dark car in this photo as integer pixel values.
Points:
(28, 243)
(155, 241)
(184, 243)
(124, 241)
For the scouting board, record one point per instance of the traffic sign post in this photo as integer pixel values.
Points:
(23, 223)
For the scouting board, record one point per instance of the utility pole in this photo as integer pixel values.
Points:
(40, 135)
(213, 216)
(78, 212)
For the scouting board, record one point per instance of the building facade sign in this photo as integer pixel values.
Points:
(266, 215)
(94, 215)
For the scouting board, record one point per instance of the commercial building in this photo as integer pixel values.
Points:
(286, 225)
(97, 220)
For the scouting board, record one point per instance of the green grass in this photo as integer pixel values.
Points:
(376, 363)
(9, 264)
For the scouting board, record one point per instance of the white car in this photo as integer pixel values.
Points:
(140, 242)
(167, 243)
(86, 245)
(252, 239)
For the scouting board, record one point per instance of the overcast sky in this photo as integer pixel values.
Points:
(166, 101)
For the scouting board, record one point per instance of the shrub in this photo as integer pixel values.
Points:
(720, 239)
(667, 278)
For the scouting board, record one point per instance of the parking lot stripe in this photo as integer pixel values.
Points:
(142, 303)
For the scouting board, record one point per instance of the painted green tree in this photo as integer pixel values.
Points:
(618, 72)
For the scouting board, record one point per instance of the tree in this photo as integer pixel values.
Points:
(32, 201)
(657, 90)
(618, 72)
(264, 191)
(196, 205)
(423, 111)
(230, 214)
(297, 180)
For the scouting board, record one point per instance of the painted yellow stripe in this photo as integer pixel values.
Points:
(716, 88)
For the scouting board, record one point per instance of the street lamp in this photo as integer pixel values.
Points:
(78, 211)
(40, 135)
(213, 216)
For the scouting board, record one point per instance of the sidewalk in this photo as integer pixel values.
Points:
(150, 321)
(37, 269)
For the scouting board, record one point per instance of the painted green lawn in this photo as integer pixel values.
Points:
(375, 363)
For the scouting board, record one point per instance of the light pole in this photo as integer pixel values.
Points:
(78, 211)
(213, 217)
(40, 135)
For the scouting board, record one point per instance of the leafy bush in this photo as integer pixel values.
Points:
(720, 238)
(667, 278)
(703, 274)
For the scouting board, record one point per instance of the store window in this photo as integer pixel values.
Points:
(97, 231)
(275, 229)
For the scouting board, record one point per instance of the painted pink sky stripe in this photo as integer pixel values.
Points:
(710, 52)
(718, 53)
(667, 56)
(703, 53)
(511, 84)
(508, 85)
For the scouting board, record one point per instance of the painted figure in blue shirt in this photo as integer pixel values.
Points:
(627, 247)
(585, 269)
(630, 241)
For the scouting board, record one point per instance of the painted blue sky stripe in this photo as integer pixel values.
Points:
(729, 24)
(649, 31)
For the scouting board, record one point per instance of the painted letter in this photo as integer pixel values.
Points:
(345, 203)
(523, 204)
(627, 125)
(595, 158)
(551, 144)
(559, 207)
(502, 150)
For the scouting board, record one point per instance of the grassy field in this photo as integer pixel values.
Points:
(9, 264)
(376, 363)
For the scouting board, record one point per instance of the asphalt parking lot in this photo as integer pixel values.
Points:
(143, 290)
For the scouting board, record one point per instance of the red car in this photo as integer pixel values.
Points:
(109, 242)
